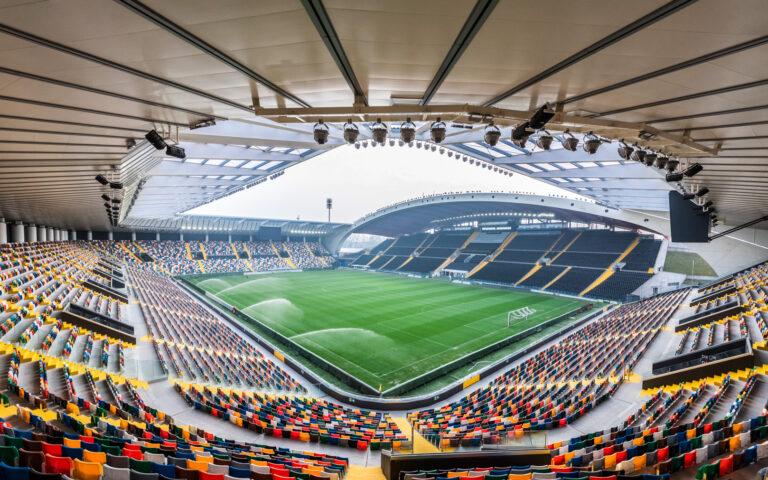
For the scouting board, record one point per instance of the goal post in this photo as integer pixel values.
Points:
(519, 314)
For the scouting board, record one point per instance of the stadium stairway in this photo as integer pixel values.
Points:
(202, 251)
(558, 277)
(234, 250)
(201, 266)
(565, 249)
(420, 444)
(188, 249)
(493, 256)
(538, 265)
(609, 271)
(471, 238)
(129, 252)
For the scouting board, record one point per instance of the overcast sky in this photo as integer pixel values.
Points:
(361, 181)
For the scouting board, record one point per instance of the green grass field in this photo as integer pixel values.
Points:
(382, 329)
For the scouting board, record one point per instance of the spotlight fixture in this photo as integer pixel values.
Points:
(688, 172)
(672, 164)
(437, 131)
(569, 141)
(591, 143)
(688, 196)
(102, 179)
(351, 132)
(674, 177)
(638, 155)
(320, 132)
(544, 140)
(702, 191)
(407, 131)
(661, 161)
(155, 139)
(693, 170)
(130, 143)
(116, 185)
(106, 205)
(105, 197)
(650, 159)
(625, 151)
(521, 133)
(206, 122)
(541, 116)
(707, 204)
(712, 210)
(492, 134)
(175, 151)
(379, 131)
(116, 200)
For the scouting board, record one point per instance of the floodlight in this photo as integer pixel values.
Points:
(625, 151)
(379, 131)
(702, 191)
(638, 155)
(693, 170)
(521, 133)
(437, 131)
(102, 179)
(155, 139)
(650, 159)
(116, 185)
(591, 143)
(544, 140)
(569, 141)
(661, 161)
(492, 134)
(672, 164)
(175, 151)
(351, 132)
(105, 197)
(320, 132)
(407, 131)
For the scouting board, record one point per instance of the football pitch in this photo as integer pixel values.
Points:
(382, 329)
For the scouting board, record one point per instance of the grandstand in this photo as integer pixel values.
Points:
(539, 250)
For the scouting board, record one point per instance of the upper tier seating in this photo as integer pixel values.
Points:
(597, 355)
(174, 257)
(40, 280)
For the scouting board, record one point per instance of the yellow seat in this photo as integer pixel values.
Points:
(68, 442)
(94, 457)
(87, 470)
(519, 476)
(639, 462)
(456, 474)
(204, 458)
(199, 466)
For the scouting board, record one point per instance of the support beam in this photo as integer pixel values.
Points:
(708, 57)
(59, 47)
(477, 17)
(197, 42)
(683, 98)
(620, 34)
(319, 16)
(98, 91)
(92, 111)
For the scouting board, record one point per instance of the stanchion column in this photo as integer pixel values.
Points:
(3, 231)
(18, 232)
(31, 233)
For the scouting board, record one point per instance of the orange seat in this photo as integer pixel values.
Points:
(87, 470)
(94, 457)
(195, 465)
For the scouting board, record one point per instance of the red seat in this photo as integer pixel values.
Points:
(210, 476)
(52, 449)
(61, 465)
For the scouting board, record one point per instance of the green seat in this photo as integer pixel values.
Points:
(9, 455)
(9, 441)
(141, 466)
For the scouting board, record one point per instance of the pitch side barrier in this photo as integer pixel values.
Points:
(373, 400)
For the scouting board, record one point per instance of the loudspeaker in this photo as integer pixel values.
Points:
(687, 221)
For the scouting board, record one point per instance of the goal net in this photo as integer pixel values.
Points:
(519, 314)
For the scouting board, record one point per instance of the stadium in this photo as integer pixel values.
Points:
(383, 240)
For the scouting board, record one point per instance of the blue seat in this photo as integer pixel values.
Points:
(14, 473)
(165, 470)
